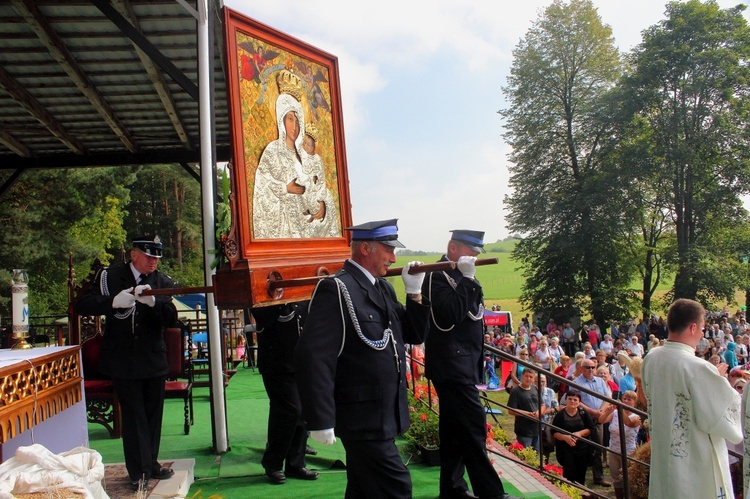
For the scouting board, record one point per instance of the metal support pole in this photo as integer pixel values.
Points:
(205, 79)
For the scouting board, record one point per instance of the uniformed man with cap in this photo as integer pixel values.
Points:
(350, 362)
(454, 362)
(278, 330)
(133, 351)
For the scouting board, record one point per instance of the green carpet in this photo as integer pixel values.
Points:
(237, 474)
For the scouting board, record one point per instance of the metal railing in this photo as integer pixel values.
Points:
(625, 459)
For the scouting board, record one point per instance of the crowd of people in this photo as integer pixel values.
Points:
(610, 363)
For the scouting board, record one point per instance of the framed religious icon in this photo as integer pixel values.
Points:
(290, 188)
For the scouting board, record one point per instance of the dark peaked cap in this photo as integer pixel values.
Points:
(383, 231)
(149, 245)
(474, 239)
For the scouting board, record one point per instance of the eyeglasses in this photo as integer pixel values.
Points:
(589, 367)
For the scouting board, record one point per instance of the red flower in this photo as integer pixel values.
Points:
(423, 417)
(551, 468)
(515, 446)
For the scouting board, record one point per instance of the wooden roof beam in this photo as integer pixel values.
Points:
(126, 9)
(191, 171)
(14, 144)
(39, 112)
(36, 20)
(11, 180)
(144, 44)
(102, 159)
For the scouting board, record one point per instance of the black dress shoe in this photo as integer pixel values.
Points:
(310, 451)
(276, 477)
(139, 485)
(303, 474)
(458, 494)
(162, 473)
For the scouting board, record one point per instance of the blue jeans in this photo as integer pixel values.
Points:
(530, 442)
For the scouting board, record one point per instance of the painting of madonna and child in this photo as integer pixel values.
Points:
(289, 132)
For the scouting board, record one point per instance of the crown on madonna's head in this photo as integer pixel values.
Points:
(289, 83)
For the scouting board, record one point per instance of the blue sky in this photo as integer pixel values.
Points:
(421, 86)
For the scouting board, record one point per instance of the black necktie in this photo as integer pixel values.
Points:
(380, 288)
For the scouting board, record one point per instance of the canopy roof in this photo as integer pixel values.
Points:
(100, 83)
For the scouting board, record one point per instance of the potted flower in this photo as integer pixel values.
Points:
(423, 433)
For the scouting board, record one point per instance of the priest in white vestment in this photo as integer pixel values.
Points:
(746, 428)
(692, 410)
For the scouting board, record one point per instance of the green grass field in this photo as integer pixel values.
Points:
(503, 281)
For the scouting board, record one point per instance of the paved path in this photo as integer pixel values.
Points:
(529, 483)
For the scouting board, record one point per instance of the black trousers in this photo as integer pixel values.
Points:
(287, 435)
(463, 434)
(142, 405)
(374, 470)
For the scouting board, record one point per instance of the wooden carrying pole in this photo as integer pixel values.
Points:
(310, 281)
(177, 291)
(430, 267)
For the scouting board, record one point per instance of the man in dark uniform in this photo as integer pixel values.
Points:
(133, 351)
(350, 362)
(278, 329)
(454, 362)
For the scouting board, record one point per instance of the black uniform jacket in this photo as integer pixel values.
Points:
(344, 383)
(133, 345)
(278, 329)
(454, 350)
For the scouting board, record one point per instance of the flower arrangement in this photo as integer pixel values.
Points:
(498, 434)
(424, 429)
(530, 457)
(526, 454)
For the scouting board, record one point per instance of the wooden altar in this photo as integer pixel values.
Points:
(41, 399)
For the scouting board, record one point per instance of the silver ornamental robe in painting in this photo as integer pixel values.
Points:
(692, 411)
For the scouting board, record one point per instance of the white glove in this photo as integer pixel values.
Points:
(124, 299)
(466, 266)
(146, 300)
(325, 437)
(412, 282)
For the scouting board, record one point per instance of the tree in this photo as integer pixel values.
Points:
(165, 201)
(49, 213)
(563, 200)
(649, 232)
(689, 83)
